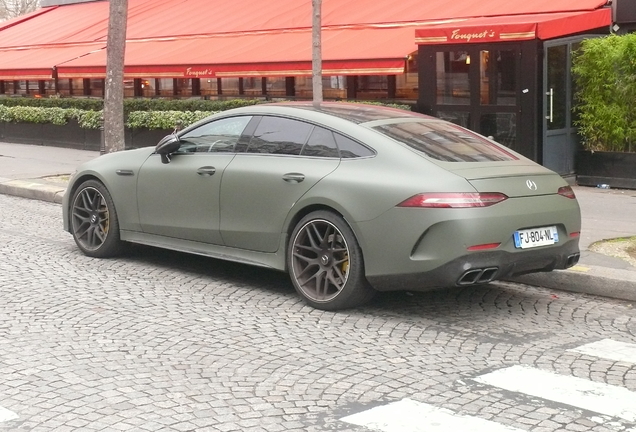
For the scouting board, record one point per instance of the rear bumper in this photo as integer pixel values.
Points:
(482, 267)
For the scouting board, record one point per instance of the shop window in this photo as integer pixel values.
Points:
(209, 87)
(183, 87)
(77, 86)
(334, 87)
(498, 78)
(96, 87)
(276, 87)
(304, 87)
(502, 127)
(453, 87)
(49, 88)
(373, 87)
(407, 86)
(230, 86)
(64, 87)
(20, 87)
(129, 88)
(147, 87)
(9, 87)
(166, 87)
(253, 86)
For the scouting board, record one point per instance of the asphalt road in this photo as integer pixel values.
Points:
(162, 341)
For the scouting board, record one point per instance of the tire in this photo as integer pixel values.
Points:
(94, 223)
(325, 263)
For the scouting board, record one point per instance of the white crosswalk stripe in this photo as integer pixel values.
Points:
(6, 415)
(578, 392)
(411, 416)
(610, 350)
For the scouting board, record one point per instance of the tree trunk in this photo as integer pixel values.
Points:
(316, 61)
(114, 131)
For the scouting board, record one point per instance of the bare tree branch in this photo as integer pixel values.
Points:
(14, 8)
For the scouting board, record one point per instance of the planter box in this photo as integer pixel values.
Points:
(73, 136)
(616, 169)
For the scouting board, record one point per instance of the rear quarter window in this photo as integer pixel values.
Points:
(445, 141)
(351, 149)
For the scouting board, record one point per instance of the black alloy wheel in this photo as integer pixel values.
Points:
(94, 223)
(325, 263)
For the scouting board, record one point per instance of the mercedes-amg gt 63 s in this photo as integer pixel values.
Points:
(350, 199)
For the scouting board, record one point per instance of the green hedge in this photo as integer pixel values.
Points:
(130, 105)
(605, 73)
(140, 113)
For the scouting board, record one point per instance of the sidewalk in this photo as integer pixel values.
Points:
(39, 172)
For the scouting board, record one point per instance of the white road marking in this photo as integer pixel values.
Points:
(6, 415)
(578, 392)
(411, 416)
(610, 350)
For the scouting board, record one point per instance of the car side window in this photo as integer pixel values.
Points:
(217, 136)
(350, 148)
(277, 135)
(321, 143)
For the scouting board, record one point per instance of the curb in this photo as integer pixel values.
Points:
(586, 279)
(50, 192)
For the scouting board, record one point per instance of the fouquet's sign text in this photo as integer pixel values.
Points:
(198, 73)
(472, 35)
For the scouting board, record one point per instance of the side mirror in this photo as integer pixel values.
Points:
(168, 145)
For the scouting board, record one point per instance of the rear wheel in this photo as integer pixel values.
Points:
(325, 263)
(94, 223)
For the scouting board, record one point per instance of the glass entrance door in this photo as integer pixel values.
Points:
(560, 140)
(478, 88)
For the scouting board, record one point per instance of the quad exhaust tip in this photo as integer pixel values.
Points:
(478, 276)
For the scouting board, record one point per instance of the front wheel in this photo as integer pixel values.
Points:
(94, 223)
(325, 263)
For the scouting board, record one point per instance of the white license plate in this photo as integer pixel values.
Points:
(534, 237)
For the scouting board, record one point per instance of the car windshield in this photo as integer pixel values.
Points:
(445, 141)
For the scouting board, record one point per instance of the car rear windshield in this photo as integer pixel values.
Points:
(445, 141)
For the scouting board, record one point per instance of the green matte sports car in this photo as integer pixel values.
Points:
(350, 199)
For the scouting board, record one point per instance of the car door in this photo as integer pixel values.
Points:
(284, 159)
(180, 199)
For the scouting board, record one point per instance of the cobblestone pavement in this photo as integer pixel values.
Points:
(161, 341)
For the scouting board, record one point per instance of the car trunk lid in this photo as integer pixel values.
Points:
(514, 179)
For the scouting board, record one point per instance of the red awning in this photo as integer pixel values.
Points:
(373, 51)
(78, 23)
(218, 38)
(339, 12)
(515, 27)
(37, 63)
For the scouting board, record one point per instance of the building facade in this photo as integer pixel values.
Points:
(499, 67)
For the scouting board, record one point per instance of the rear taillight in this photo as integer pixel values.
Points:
(567, 192)
(453, 200)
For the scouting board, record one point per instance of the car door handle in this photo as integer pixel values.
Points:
(206, 171)
(293, 177)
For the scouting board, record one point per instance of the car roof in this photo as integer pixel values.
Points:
(354, 112)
